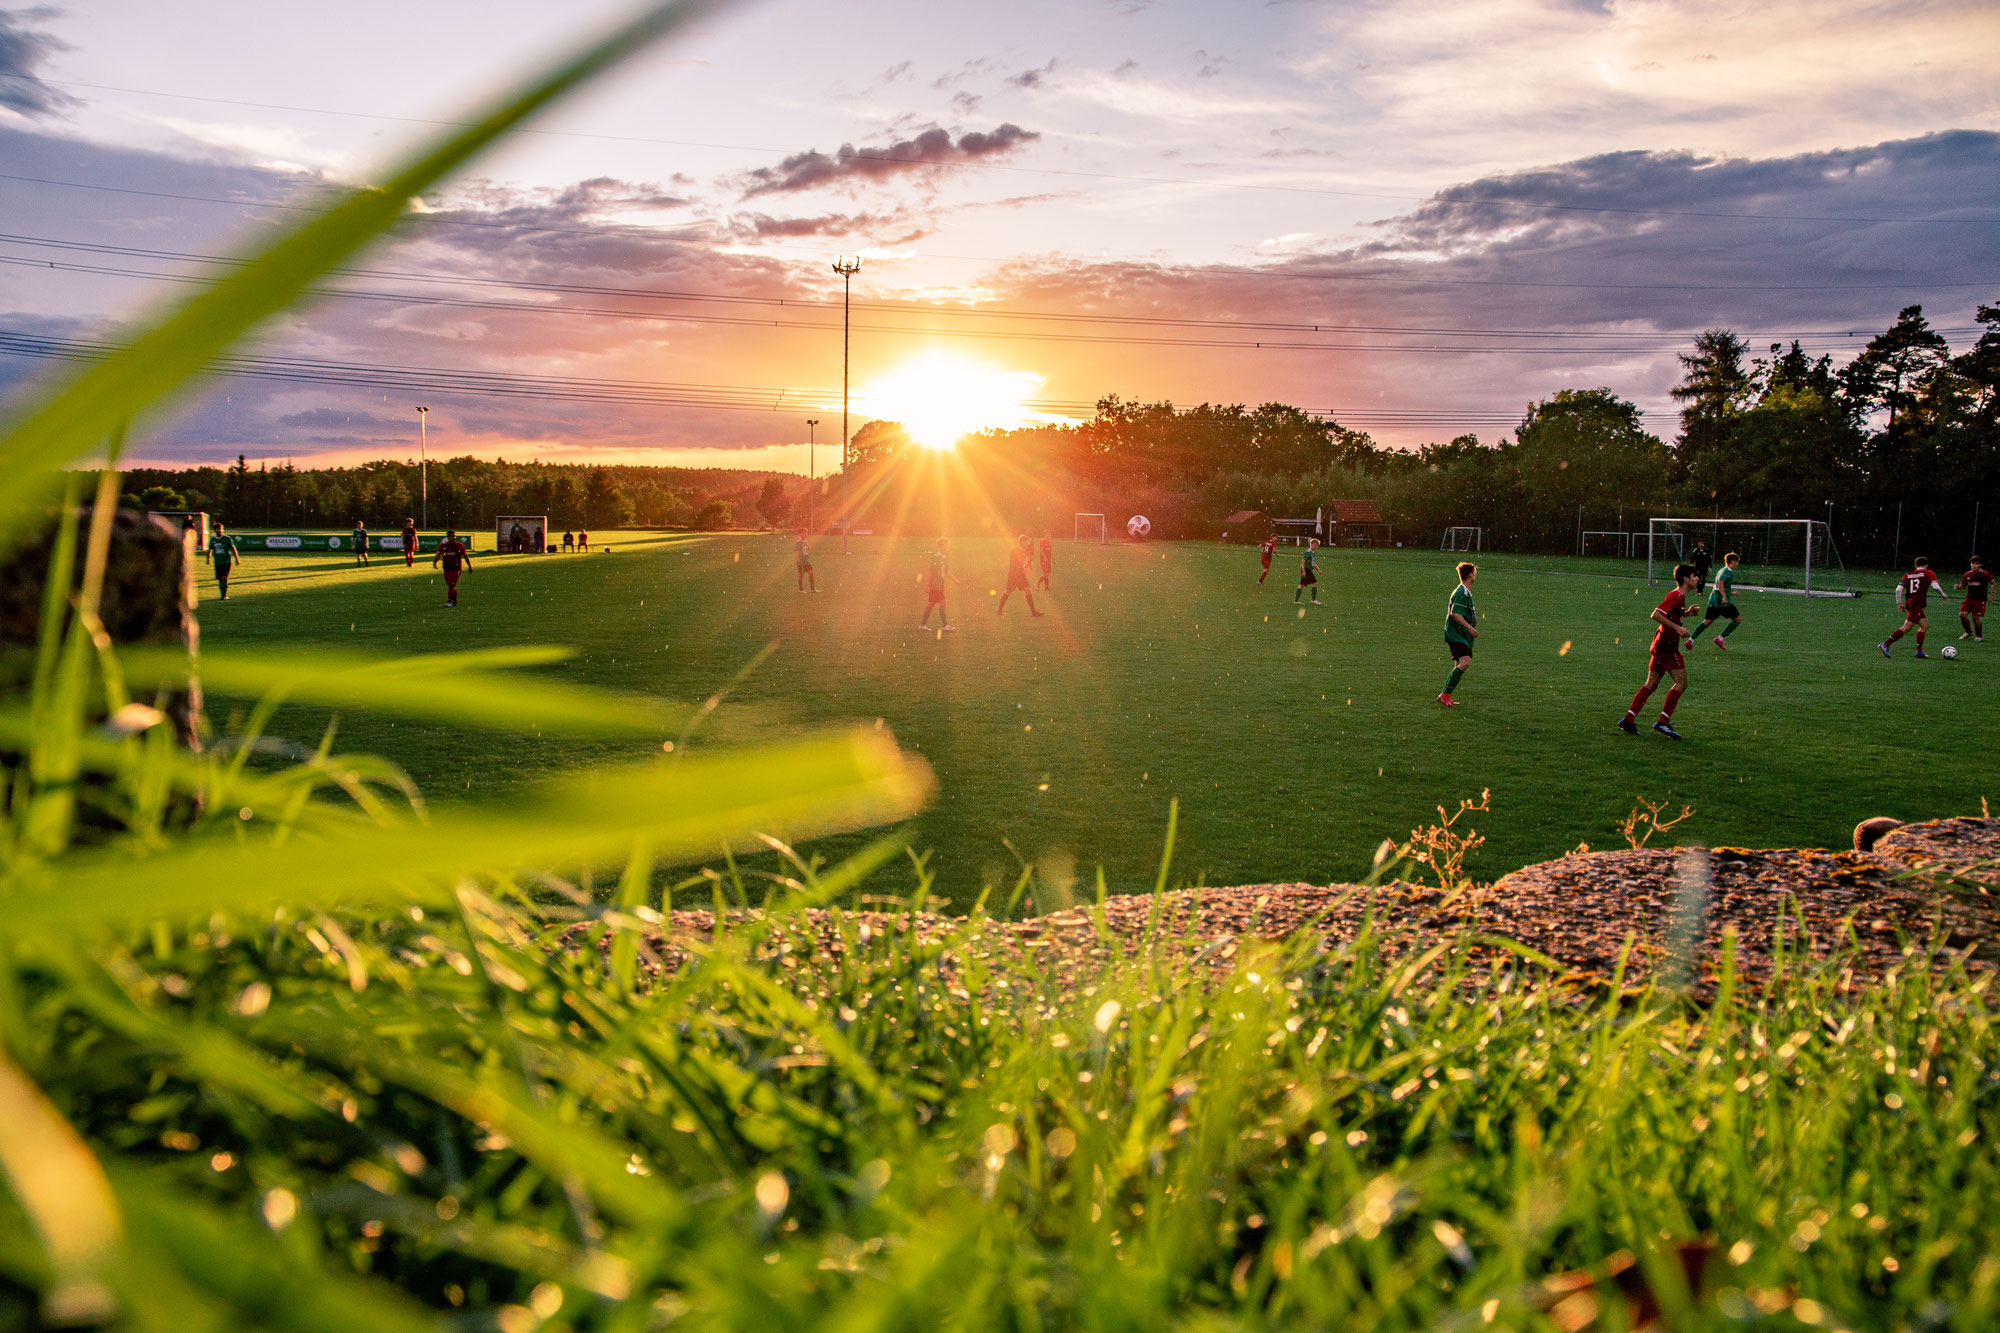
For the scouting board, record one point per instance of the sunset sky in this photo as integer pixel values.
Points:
(1417, 217)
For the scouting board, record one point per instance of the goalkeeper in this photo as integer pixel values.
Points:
(1722, 602)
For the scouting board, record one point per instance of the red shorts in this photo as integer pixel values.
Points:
(1969, 607)
(934, 597)
(451, 578)
(1667, 657)
(1017, 583)
(1915, 611)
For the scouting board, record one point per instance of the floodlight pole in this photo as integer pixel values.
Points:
(846, 266)
(812, 484)
(424, 464)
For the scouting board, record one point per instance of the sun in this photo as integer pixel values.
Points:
(940, 397)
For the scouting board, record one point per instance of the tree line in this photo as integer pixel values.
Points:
(470, 493)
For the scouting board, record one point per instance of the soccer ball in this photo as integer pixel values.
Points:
(1948, 652)
(1138, 525)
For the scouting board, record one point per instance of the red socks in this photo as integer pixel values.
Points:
(1639, 700)
(1895, 636)
(1920, 638)
(1667, 708)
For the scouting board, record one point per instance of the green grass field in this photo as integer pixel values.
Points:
(1295, 744)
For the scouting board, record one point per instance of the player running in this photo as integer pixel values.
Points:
(1047, 551)
(1913, 592)
(802, 559)
(1265, 550)
(223, 550)
(934, 581)
(1459, 620)
(1977, 582)
(1665, 659)
(1017, 575)
(360, 542)
(409, 542)
(1722, 603)
(1309, 571)
(455, 555)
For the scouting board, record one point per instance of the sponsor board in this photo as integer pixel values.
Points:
(282, 543)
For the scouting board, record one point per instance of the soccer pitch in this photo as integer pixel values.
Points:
(1295, 743)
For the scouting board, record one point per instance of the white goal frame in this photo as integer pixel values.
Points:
(1103, 529)
(1830, 574)
(1462, 533)
(1624, 542)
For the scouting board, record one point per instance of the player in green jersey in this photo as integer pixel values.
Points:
(223, 550)
(1459, 632)
(360, 542)
(1309, 572)
(1722, 602)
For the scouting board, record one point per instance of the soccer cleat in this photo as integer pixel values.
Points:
(1884, 647)
(1447, 701)
(949, 628)
(1720, 644)
(1666, 728)
(1963, 637)
(1922, 654)
(1037, 614)
(1628, 726)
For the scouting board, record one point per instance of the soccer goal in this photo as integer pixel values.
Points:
(1604, 542)
(1093, 523)
(1774, 554)
(1461, 539)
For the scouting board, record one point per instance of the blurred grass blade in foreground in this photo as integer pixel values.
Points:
(450, 687)
(61, 1188)
(697, 808)
(78, 415)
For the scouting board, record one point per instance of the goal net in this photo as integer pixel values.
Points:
(1775, 554)
(1604, 543)
(1090, 527)
(1460, 539)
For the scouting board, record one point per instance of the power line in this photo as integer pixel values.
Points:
(557, 388)
(1286, 275)
(899, 307)
(930, 164)
(1630, 344)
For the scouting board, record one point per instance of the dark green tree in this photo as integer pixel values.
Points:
(1583, 447)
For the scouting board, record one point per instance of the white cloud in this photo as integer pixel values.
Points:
(1482, 83)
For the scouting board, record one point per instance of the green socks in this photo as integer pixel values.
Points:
(1730, 628)
(1451, 681)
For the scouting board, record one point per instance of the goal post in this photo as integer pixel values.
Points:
(1604, 542)
(1462, 539)
(1774, 554)
(1093, 522)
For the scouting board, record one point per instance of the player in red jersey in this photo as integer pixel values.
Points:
(455, 556)
(1017, 575)
(409, 542)
(1977, 582)
(1666, 659)
(1047, 551)
(1913, 592)
(1265, 550)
